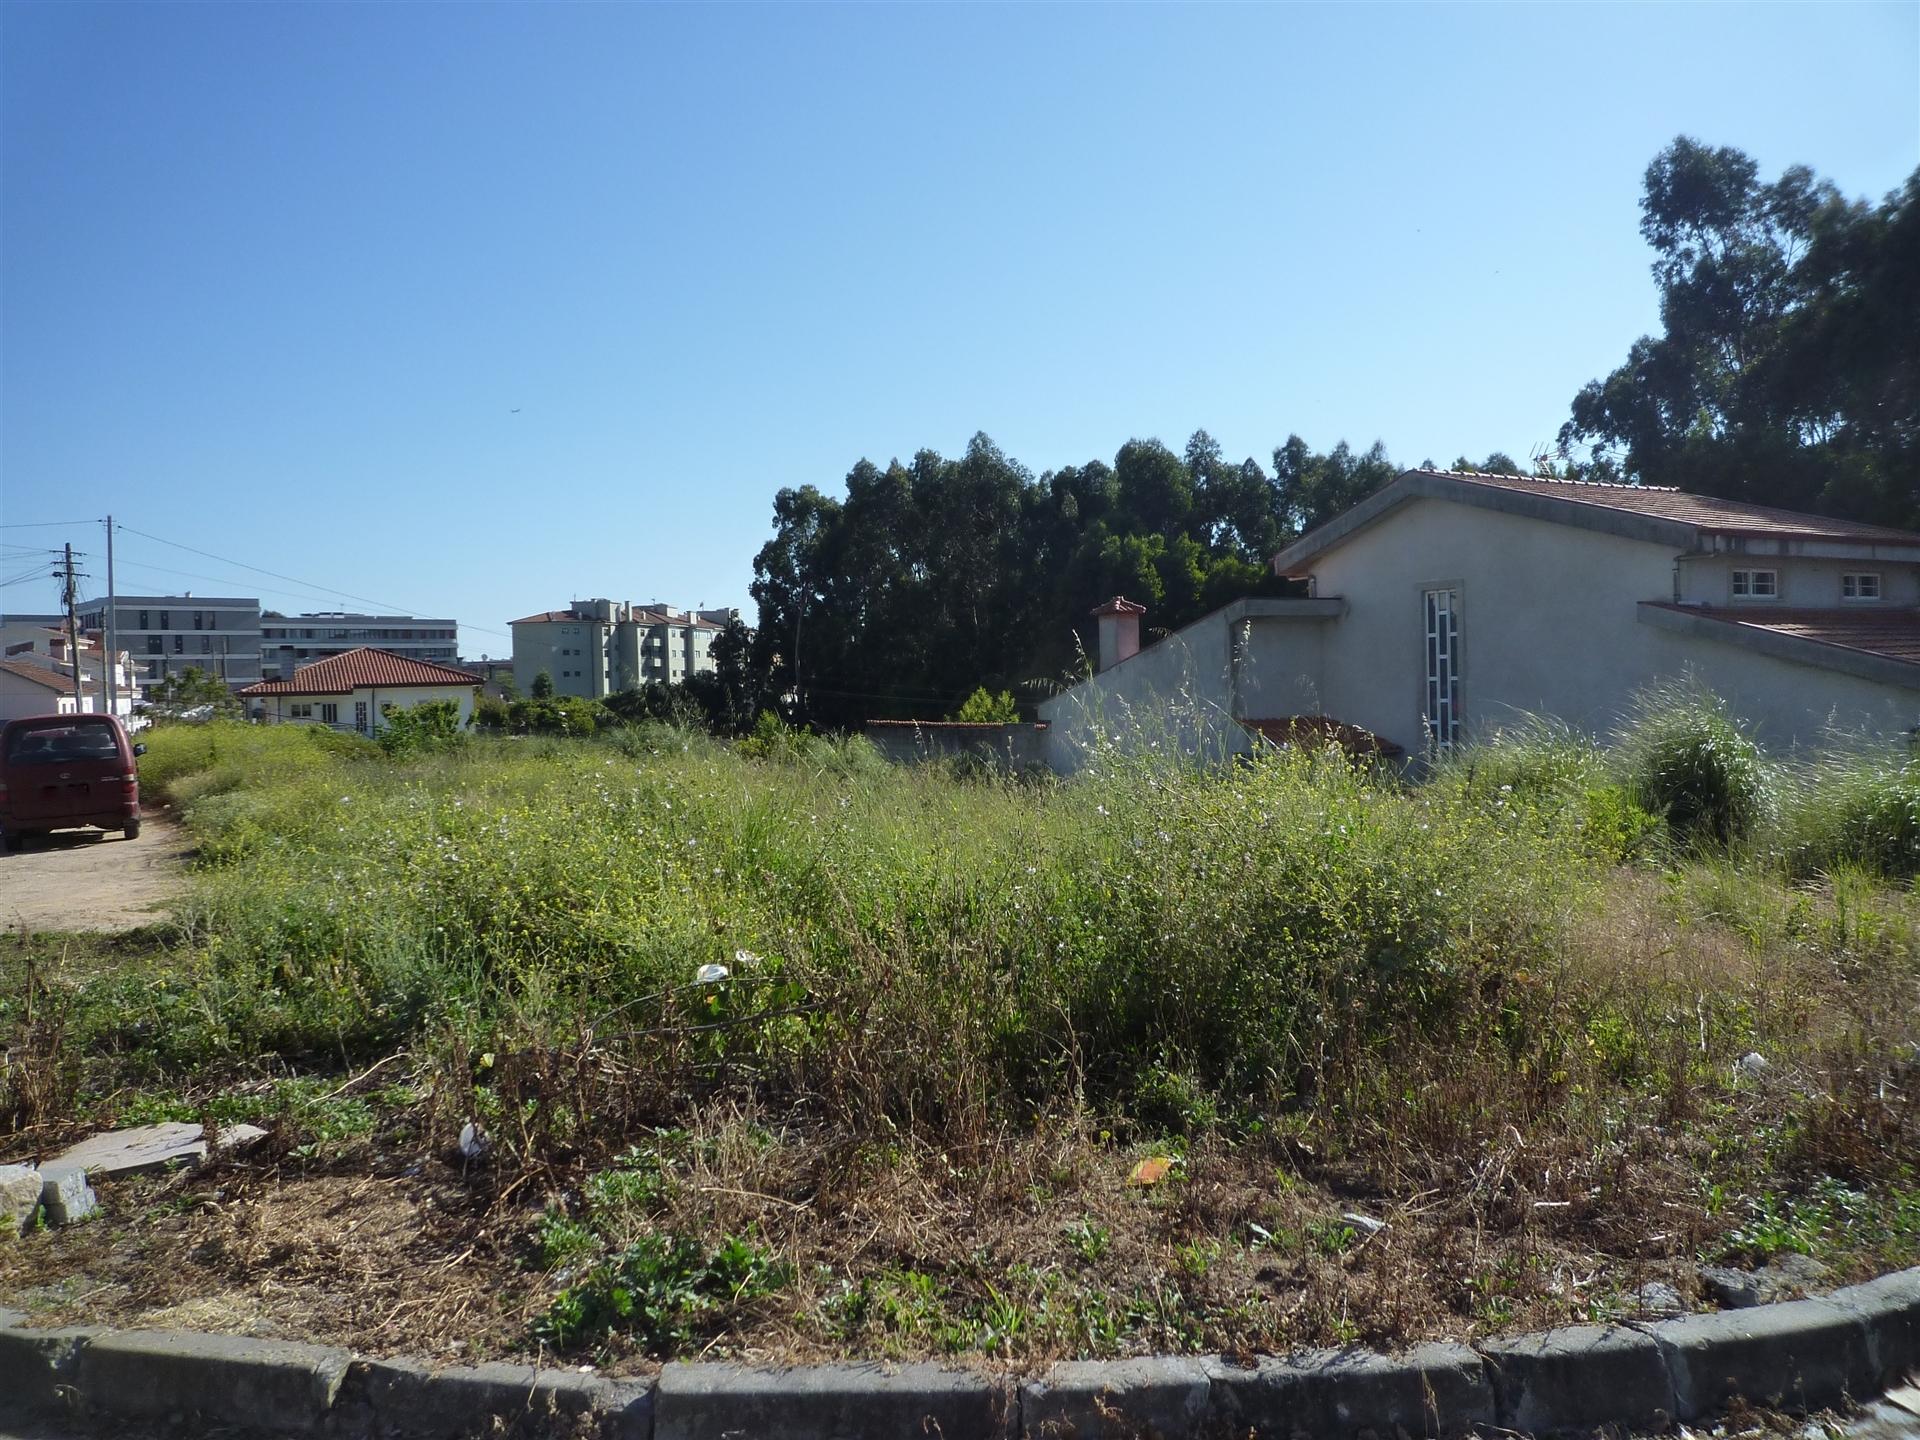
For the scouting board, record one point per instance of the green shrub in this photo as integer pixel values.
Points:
(1688, 762)
(663, 1290)
(1855, 810)
(431, 727)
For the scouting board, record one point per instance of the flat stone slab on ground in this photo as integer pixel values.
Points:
(148, 1147)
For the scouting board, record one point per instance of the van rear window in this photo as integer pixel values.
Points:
(62, 744)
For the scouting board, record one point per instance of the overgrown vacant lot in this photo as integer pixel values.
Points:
(1503, 1012)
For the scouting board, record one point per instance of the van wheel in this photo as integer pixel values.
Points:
(9, 840)
(132, 831)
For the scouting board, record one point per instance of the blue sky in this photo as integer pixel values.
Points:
(274, 279)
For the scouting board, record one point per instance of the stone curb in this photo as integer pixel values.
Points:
(1798, 1354)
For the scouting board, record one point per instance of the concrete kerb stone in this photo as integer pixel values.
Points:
(1578, 1377)
(1430, 1390)
(404, 1398)
(1890, 1309)
(1795, 1355)
(39, 1369)
(264, 1384)
(1800, 1354)
(829, 1402)
(1157, 1398)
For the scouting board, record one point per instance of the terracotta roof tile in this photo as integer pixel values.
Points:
(546, 617)
(1731, 517)
(364, 668)
(41, 675)
(1892, 633)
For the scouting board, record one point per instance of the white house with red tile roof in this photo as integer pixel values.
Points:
(30, 686)
(352, 690)
(1450, 603)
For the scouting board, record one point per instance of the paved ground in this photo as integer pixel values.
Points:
(86, 880)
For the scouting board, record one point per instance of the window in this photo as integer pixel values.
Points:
(165, 618)
(155, 645)
(179, 644)
(206, 645)
(1862, 586)
(196, 619)
(360, 716)
(1442, 609)
(330, 714)
(1756, 584)
(143, 621)
(300, 710)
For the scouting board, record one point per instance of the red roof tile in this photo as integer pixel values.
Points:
(361, 669)
(1894, 634)
(1732, 517)
(547, 617)
(41, 675)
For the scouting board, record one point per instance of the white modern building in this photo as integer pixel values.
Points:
(596, 648)
(167, 634)
(1452, 603)
(351, 691)
(290, 641)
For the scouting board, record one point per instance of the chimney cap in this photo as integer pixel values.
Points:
(1118, 605)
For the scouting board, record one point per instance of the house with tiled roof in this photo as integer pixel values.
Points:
(30, 686)
(1451, 603)
(354, 689)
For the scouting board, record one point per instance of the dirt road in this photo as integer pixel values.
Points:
(84, 880)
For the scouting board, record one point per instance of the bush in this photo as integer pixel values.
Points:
(433, 726)
(1856, 810)
(1688, 762)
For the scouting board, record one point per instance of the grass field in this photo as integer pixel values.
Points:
(1502, 1011)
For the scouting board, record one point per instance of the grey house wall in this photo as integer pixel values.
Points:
(1254, 659)
(1551, 623)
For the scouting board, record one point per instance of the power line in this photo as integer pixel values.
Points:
(295, 580)
(47, 524)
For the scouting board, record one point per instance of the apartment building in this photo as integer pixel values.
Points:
(290, 641)
(165, 634)
(596, 648)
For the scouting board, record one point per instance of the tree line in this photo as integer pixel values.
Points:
(1787, 373)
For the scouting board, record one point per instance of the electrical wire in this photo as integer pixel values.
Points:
(387, 605)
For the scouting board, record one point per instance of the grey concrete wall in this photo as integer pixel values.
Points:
(1012, 748)
(1805, 580)
(1549, 624)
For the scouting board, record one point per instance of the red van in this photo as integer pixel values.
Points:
(60, 772)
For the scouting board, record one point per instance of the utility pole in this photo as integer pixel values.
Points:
(69, 594)
(110, 636)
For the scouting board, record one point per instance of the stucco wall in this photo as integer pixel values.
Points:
(1804, 580)
(278, 709)
(1175, 692)
(1549, 624)
(1012, 748)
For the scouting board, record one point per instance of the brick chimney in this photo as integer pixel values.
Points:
(1119, 630)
